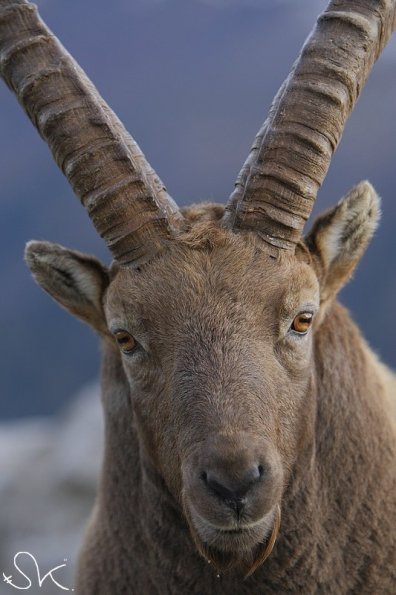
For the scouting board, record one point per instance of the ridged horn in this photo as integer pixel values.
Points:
(277, 186)
(125, 199)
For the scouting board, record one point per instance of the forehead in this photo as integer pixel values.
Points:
(233, 270)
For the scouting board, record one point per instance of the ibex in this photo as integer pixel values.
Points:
(250, 433)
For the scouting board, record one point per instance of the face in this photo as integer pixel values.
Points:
(216, 344)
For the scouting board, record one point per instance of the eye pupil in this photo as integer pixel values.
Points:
(302, 322)
(125, 341)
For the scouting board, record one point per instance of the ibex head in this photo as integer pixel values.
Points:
(216, 337)
(214, 312)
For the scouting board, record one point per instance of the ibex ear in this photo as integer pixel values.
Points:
(339, 237)
(75, 280)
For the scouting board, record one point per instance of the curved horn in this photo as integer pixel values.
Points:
(277, 186)
(125, 199)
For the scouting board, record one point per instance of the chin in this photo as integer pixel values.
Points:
(246, 545)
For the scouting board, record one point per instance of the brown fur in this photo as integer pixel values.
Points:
(219, 380)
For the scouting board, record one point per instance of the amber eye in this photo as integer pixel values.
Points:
(302, 322)
(125, 341)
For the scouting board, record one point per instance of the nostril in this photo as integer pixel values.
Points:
(216, 485)
(228, 488)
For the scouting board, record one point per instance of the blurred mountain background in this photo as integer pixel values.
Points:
(49, 472)
(192, 80)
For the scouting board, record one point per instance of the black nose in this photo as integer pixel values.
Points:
(231, 490)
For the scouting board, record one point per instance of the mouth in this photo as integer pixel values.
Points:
(232, 531)
(247, 545)
(239, 538)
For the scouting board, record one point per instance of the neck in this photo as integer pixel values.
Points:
(328, 507)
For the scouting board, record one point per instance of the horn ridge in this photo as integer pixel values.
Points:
(277, 186)
(86, 138)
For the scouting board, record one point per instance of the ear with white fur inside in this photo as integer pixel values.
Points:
(75, 280)
(340, 236)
